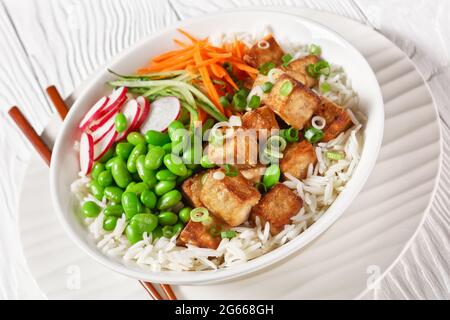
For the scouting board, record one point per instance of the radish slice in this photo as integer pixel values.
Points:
(86, 153)
(116, 100)
(162, 112)
(104, 144)
(93, 113)
(101, 131)
(132, 112)
(144, 105)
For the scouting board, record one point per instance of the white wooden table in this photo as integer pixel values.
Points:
(62, 42)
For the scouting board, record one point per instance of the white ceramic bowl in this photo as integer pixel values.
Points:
(65, 167)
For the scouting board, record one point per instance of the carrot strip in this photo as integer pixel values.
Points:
(209, 62)
(219, 55)
(170, 62)
(217, 71)
(168, 54)
(181, 43)
(187, 35)
(246, 68)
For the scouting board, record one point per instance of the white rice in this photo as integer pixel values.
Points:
(318, 191)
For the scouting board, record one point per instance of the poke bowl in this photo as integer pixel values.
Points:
(205, 153)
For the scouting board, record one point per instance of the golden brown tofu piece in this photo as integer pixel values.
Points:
(203, 236)
(297, 70)
(257, 56)
(261, 118)
(254, 175)
(296, 159)
(297, 108)
(191, 189)
(240, 148)
(230, 198)
(337, 119)
(277, 207)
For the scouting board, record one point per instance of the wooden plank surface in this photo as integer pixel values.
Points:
(61, 42)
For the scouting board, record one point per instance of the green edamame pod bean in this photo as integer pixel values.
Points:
(137, 188)
(115, 210)
(205, 163)
(175, 164)
(157, 233)
(165, 175)
(130, 204)
(168, 200)
(271, 176)
(177, 228)
(148, 199)
(167, 231)
(154, 158)
(110, 162)
(157, 138)
(120, 121)
(185, 214)
(90, 209)
(135, 138)
(168, 147)
(96, 189)
(163, 187)
(123, 150)
(176, 131)
(105, 178)
(97, 169)
(120, 173)
(109, 224)
(140, 223)
(167, 218)
(147, 175)
(139, 149)
(108, 155)
(113, 194)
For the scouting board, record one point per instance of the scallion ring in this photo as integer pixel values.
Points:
(274, 74)
(325, 87)
(286, 88)
(263, 44)
(230, 171)
(322, 67)
(266, 67)
(286, 59)
(199, 214)
(255, 102)
(313, 135)
(290, 135)
(332, 155)
(228, 234)
(267, 86)
(318, 122)
(315, 50)
(277, 142)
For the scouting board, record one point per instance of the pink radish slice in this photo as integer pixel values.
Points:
(86, 153)
(104, 144)
(132, 112)
(101, 132)
(144, 106)
(162, 112)
(103, 120)
(93, 113)
(116, 100)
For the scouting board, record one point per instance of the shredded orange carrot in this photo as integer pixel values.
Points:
(187, 35)
(181, 43)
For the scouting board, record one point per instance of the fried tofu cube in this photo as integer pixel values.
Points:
(297, 70)
(230, 198)
(296, 159)
(203, 236)
(254, 175)
(277, 207)
(262, 118)
(337, 119)
(191, 190)
(296, 108)
(257, 55)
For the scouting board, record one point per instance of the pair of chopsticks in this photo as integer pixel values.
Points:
(46, 154)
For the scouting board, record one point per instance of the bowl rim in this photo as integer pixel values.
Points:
(267, 259)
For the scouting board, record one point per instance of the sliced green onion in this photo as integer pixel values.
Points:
(322, 67)
(325, 87)
(267, 87)
(286, 59)
(239, 102)
(277, 142)
(266, 67)
(310, 71)
(228, 234)
(315, 49)
(332, 155)
(290, 135)
(199, 214)
(254, 102)
(215, 230)
(224, 101)
(313, 135)
(286, 88)
(230, 171)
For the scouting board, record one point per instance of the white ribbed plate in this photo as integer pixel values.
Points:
(362, 244)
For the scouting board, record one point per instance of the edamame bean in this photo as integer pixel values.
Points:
(110, 162)
(130, 204)
(167, 231)
(157, 138)
(137, 188)
(271, 176)
(168, 147)
(191, 158)
(109, 224)
(165, 175)
(96, 189)
(176, 131)
(140, 223)
(175, 164)
(168, 200)
(167, 218)
(120, 173)
(185, 214)
(105, 178)
(177, 228)
(123, 150)
(113, 193)
(147, 175)
(120, 121)
(139, 149)
(90, 209)
(148, 199)
(97, 169)
(108, 155)
(163, 187)
(154, 158)
(205, 163)
(115, 210)
(157, 233)
(135, 138)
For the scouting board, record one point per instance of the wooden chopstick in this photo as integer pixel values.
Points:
(30, 134)
(63, 109)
